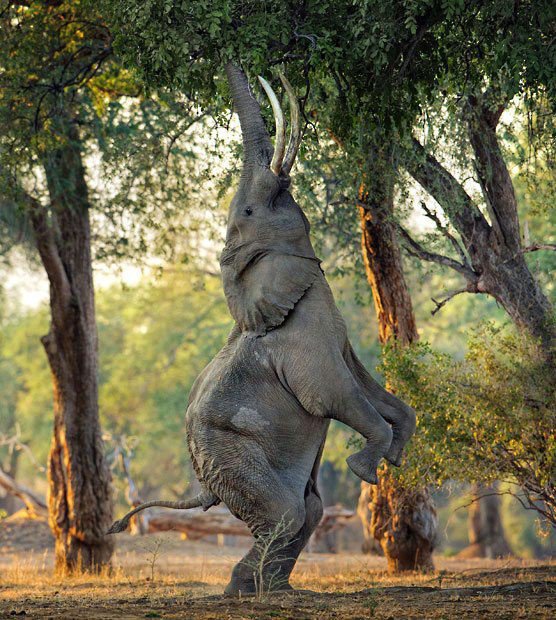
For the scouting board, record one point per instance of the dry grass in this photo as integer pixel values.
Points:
(189, 578)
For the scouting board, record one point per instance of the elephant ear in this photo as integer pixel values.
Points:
(265, 288)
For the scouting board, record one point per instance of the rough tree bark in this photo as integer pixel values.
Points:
(491, 257)
(486, 532)
(80, 497)
(403, 520)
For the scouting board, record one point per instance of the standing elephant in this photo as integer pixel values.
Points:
(258, 414)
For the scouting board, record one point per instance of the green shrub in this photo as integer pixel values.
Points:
(489, 417)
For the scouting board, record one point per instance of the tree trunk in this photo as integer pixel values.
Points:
(403, 521)
(364, 506)
(486, 532)
(80, 495)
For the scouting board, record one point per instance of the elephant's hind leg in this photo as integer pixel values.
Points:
(313, 515)
(274, 523)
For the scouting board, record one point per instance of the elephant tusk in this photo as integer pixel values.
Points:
(295, 132)
(280, 145)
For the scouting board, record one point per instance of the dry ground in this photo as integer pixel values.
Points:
(166, 577)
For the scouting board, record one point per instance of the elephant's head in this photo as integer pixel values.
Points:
(268, 261)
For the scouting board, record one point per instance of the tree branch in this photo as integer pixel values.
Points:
(455, 243)
(14, 444)
(482, 119)
(48, 250)
(535, 247)
(458, 206)
(33, 503)
(440, 304)
(416, 249)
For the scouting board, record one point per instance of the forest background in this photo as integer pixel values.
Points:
(158, 331)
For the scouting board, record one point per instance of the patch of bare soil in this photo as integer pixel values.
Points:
(163, 576)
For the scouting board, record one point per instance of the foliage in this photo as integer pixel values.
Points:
(140, 155)
(370, 74)
(488, 417)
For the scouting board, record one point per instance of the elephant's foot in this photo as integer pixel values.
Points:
(239, 588)
(395, 451)
(394, 455)
(361, 467)
(365, 462)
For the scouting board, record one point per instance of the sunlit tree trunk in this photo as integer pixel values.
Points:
(80, 496)
(402, 520)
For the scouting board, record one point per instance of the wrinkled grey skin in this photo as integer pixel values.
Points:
(259, 413)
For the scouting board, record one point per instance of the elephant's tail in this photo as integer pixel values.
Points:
(206, 499)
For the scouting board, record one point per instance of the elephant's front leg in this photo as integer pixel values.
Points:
(360, 415)
(325, 387)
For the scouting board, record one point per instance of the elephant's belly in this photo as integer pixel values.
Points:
(243, 417)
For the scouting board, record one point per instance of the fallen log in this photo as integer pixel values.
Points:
(34, 504)
(197, 524)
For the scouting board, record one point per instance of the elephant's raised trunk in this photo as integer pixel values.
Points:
(257, 147)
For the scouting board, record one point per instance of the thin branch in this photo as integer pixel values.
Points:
(441, 304)
(14, 444)
(179, 133)
(530, 505)
(456, 203)
(416, 249)
(539, 246)
(455, 243)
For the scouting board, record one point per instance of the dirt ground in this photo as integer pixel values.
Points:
(164, 576)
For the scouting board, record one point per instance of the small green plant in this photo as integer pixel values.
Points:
(270, 546)
(441, 576)
(371, 602)
(154, 549)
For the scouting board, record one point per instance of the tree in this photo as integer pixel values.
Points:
(62, 104)
(402, 519)
(402, 58)
(486, 533)
(491, 256)
(80, 503)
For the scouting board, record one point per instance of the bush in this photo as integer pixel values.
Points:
(489, 417)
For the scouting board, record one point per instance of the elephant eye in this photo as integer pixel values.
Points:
(248, 211)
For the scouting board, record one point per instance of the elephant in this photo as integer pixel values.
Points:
(259, 413)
